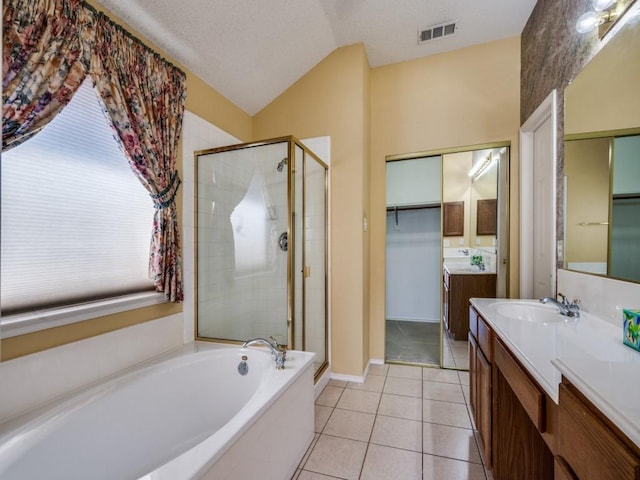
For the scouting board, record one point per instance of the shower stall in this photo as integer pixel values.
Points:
(261, 250)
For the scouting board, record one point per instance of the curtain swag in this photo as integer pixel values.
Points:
(49, 46)
(46, 52)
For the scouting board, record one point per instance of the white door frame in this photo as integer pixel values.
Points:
(546, 110)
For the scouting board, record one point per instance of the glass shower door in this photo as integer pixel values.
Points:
(262, 245)
(242, 225)
(310, 255)
(315, 267)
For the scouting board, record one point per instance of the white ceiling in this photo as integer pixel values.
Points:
(253, 50)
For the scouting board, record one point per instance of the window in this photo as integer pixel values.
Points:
(76, 222)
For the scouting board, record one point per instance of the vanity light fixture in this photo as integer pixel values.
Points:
(605, 14)
(480, 167)
(590, 20)
(600, 5)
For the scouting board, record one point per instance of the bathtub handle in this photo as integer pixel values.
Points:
(281, 348)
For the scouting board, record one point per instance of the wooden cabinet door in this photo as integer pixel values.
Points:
(473, 378)
(483, 399)
(453, 219)
(592, 449)
(445, 305)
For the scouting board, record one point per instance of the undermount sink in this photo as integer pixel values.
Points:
(528, 312)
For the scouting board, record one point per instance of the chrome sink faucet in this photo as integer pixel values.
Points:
(276, 350)
(567, 309)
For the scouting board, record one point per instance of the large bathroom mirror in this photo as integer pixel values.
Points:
(602, 161)
(470, 260)
(470, 180)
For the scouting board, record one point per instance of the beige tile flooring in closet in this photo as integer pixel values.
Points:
(402, 423)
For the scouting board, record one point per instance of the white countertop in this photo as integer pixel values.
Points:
(588, 351)
(465, 269)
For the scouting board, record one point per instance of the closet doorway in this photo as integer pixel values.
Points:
(413, 261)
(447, 237)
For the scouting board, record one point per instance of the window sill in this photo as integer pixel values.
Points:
(21, 324)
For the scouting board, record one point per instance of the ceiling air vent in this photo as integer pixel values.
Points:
(437, 31)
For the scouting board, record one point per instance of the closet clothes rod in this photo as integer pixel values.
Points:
(412, 207)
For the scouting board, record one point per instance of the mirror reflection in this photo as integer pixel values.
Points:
(602, 161)
(603, 206)
(470, 184)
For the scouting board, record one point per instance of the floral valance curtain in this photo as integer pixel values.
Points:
(46, 52)
(49, 46)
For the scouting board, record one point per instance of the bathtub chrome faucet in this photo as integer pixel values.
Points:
(278, 352)
(567, 309)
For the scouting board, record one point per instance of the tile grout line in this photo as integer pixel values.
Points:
(375, 418)
(377, 414)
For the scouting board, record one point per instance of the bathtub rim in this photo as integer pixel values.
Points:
(265, 396)
(236, 427)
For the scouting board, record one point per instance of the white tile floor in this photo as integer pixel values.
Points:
(403, 423)
(455, 353)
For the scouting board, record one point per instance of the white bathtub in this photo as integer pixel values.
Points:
(188, 414)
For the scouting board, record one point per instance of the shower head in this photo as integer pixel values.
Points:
(282, 163)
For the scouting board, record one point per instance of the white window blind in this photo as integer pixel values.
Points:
(76, 222)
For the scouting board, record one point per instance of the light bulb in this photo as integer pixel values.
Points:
(588, 21)
(600, 5)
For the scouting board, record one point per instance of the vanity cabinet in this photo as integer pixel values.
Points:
(457, 290)
(480, 358)
(514, 418)
(589, 446)
(522, 432)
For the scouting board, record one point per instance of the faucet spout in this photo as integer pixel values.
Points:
(279, 355)
(564, 307)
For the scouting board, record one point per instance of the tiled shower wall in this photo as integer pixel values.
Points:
(197, 134)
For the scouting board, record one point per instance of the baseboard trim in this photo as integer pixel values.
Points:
(322, 382)
(347, 378)
(356, 378)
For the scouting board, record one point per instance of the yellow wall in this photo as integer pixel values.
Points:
(463, 98)
(205, 102)
(484, 187)
(603, 97)
(332, 99)
(466, 97)
(586, 166)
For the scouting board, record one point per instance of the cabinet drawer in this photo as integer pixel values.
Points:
(525, 389)
(473, 322)
(483, 398)
(592, 450)
(485, 336)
